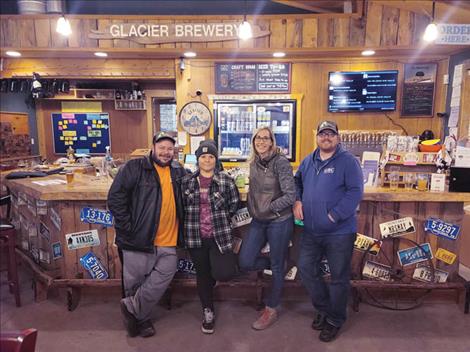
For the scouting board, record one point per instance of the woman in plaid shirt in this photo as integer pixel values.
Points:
(210, 199)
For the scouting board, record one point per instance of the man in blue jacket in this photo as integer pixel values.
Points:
(329, 188)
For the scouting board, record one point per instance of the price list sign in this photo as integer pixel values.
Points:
(252, 78)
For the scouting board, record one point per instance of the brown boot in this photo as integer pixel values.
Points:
(266, 319)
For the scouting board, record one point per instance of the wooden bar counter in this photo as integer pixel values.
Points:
(57, 208)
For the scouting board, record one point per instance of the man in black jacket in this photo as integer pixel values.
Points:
(145, 200)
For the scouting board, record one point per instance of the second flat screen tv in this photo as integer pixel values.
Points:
(362, 91)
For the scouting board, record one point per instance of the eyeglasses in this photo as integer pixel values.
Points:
(262, 139)
(326, 134)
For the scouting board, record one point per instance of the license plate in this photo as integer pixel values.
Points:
(44, 231)
(441, 228)
(96, 216)
(423, 273)
(364, 242)
(242, 217)
(414, 255)
(56, 250)
(397, 227)
(375, 270)
(94, 267)
(82, 239)
(446, 256)
(186, 266)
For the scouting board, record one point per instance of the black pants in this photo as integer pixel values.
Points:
(211, 266)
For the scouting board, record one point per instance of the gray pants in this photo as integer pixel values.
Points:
(146, 276)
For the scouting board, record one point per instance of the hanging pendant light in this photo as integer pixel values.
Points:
(431, 31)
(244, 31)
(63, 26)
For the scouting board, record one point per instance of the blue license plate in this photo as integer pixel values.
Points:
(94, 267)
(415, 254)
(442, 228)
(96, 216)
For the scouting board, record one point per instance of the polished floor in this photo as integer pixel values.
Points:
(96, 325)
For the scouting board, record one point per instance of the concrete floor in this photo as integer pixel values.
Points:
(96, 325)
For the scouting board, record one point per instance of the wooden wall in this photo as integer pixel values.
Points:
(128, 128)
(310, 79)
(385, 26)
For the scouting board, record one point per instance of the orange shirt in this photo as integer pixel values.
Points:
(167, 232)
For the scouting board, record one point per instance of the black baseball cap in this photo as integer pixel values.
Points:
(163, 135)
(327, 125)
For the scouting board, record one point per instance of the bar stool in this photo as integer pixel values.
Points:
(7, 244)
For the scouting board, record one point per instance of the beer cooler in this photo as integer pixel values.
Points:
(236, 122)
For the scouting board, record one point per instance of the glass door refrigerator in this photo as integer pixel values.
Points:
(236, 122)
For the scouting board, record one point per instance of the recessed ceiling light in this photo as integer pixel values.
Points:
(368, 53)
(101, 54)
(13, 53)
(190, 54)
(279, 54)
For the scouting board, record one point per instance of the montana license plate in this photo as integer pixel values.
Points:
(397, 227)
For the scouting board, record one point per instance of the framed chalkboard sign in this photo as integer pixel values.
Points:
(418, 90)
(252, 78)
(85, 132)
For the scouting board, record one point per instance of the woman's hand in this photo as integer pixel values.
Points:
(298, 210)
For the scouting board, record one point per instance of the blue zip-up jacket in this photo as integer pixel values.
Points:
(334, 186)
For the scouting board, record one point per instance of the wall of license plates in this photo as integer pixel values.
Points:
(75, 240)
(72, 240)
(434, 226)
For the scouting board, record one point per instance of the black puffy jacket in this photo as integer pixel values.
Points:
(135, 200)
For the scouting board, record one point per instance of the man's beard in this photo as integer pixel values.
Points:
(159, 162)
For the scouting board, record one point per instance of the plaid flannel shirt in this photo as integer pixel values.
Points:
(223, 199)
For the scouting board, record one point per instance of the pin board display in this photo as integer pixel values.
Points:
(85, 132)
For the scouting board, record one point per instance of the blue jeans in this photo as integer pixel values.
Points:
(277, 234)
(337, 249)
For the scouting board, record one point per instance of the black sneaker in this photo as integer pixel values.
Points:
(318, 322)
(129, 320)
(146, 329)
(208, 321)
(328, 333)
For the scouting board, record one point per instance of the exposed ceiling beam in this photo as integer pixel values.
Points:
(308, 5)
(446, 11)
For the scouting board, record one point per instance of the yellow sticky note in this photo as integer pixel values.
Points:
(94, 145)
(60, 123)
(64, 127)
(61, 138)
(94, 121)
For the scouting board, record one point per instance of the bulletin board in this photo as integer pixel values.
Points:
(84, 132)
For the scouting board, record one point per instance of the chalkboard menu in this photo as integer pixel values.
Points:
(418, 90)
(252, 78)
(85, 132)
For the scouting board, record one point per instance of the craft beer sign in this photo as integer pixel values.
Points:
(154, 33)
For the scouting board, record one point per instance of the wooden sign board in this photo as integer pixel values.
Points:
(418, 90)
(153, 33)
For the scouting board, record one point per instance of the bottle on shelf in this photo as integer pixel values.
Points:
(107, 163)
